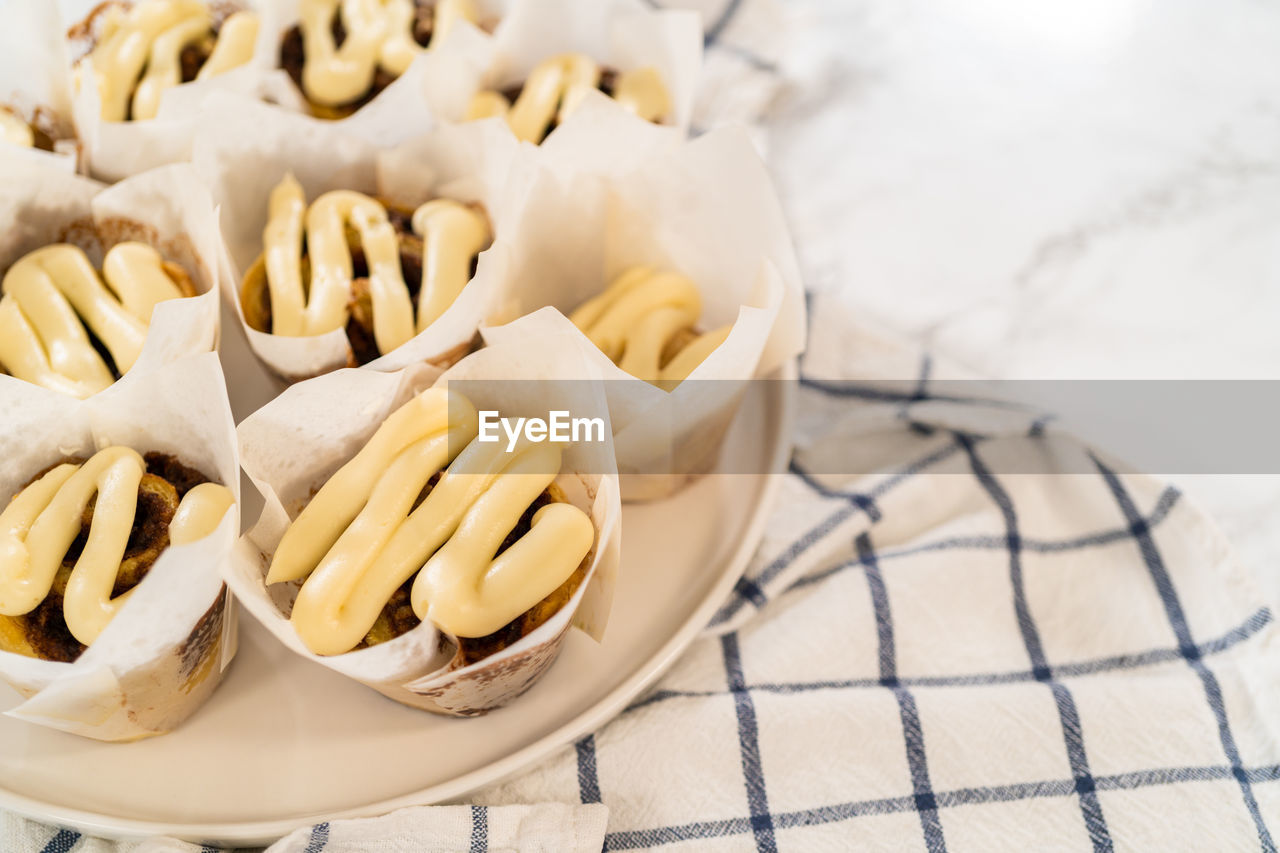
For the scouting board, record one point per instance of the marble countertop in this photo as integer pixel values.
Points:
(1051, 190)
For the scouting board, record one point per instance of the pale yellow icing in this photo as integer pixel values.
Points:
(40, 524)
(643, 93)
(15, 131)
(360, 538)
(556, 87)
(453, 234)
(379, 34)
(51, 294)
(234, 48)
(138, 54)
(634, 320)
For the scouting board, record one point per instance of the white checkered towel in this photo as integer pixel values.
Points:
(940, 656)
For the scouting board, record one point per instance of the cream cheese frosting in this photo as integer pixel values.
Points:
(52, 294)
(556, 87)
(14, 130)
(452, 233)
(40, 524)
(361, 537)
(636, 319)
(379, 34)
(138, 55)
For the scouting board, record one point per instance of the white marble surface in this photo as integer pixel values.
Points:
(1085, 189)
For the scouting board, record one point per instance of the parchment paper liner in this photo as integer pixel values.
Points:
(292, 445)
(167, 208)
(249, 147)
(165, 651)
(116, 150)
(705, 209)
(34, 81)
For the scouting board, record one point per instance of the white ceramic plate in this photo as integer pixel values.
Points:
(284, 743)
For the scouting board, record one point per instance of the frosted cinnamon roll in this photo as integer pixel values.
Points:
(82, 535)
(348, 261)
(646, 323)
(426, 523)
(556, 87)
(342, 53)
(139, 51)
(68, 328)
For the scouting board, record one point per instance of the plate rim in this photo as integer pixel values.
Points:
(265, 832)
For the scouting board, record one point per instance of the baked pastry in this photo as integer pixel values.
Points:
(382, 272)
(81, 536)
(645, 322)
(141, 50)
(427, 523)
(555, 88)
(342, 53)
(63, 328)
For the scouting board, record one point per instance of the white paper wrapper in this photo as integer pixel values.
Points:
(292, 445)
(34, 80)
(165, 651)
(167, 208)
(249, 148)
(705, 209)
(116, 150)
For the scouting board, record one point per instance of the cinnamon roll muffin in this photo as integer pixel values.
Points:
(427, 523)
(70, 328)
(83, 534)
(348, 261)
(646, 323)
(342, 54)
(555, 88)
(134, 52)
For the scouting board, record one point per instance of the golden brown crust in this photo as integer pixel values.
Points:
(43, 632)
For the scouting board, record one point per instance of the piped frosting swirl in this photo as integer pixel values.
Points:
(363, 535)
(379, 35)
(452, 235)
(644, 323)
(40, 524)
(53, 294)
(556, 87)
(138, 55)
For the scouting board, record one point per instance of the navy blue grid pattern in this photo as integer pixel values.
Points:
(757, 590)
(1186, 645)
(588, 781)
(479, 830)
(62, 841)
(1069, 715)
(749, 743)
(319, 838)
(912, 732)
(648, 838)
